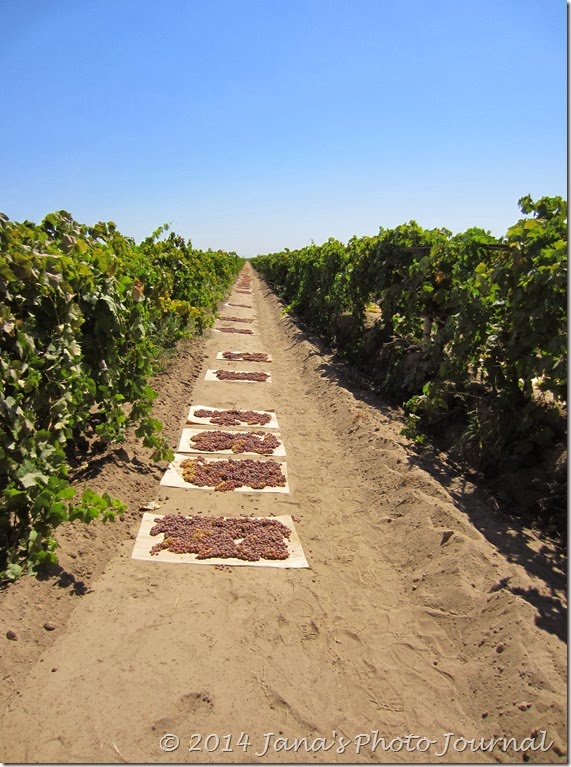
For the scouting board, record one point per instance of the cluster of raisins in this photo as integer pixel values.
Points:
(242, 306)
(237, 330)
(241, 538)
(233, 473)
(234, 417)
(237, 441)
(236, 319)
(236, 375)
(246, 356)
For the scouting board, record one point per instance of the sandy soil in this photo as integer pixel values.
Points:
(423, 612)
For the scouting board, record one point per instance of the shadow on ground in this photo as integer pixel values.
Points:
(64, 579)
(505, 530)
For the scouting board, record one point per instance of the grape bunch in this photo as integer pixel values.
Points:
(233, 473)
(236, 319)
(234, 417)
(236, 330)
(234, 375)
(207, 537)
(246, 356)
(238, 442)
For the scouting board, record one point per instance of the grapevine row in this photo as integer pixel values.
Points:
(83, 316)
(466, 324)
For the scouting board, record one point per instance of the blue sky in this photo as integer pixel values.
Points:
(255, 125)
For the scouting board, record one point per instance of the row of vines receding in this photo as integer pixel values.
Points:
(83, 316)
(469, 329)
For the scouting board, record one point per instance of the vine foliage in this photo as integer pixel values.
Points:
(83, 316)
(468, 326)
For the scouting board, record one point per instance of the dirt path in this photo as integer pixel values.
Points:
(404, 623)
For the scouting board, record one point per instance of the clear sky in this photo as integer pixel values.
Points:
(255, 125)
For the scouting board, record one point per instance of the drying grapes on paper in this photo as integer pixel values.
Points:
(244, 356)
(232, 417)
(237, 375)
(215, 441)
(220, 540)
(222, 475)
(243, 331)
(208, 537)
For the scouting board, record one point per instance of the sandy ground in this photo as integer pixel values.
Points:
(423, 613)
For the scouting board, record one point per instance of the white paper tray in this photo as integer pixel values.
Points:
(191, 418)
(186, 446)
(173, 478)
(211, 376)
(253, 333)
(145, 541)
(220, 356)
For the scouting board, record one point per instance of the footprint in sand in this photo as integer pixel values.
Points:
(196, 705)
(309, 631)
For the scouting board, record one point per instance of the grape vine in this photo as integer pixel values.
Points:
(466, 326)
(83, 316)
